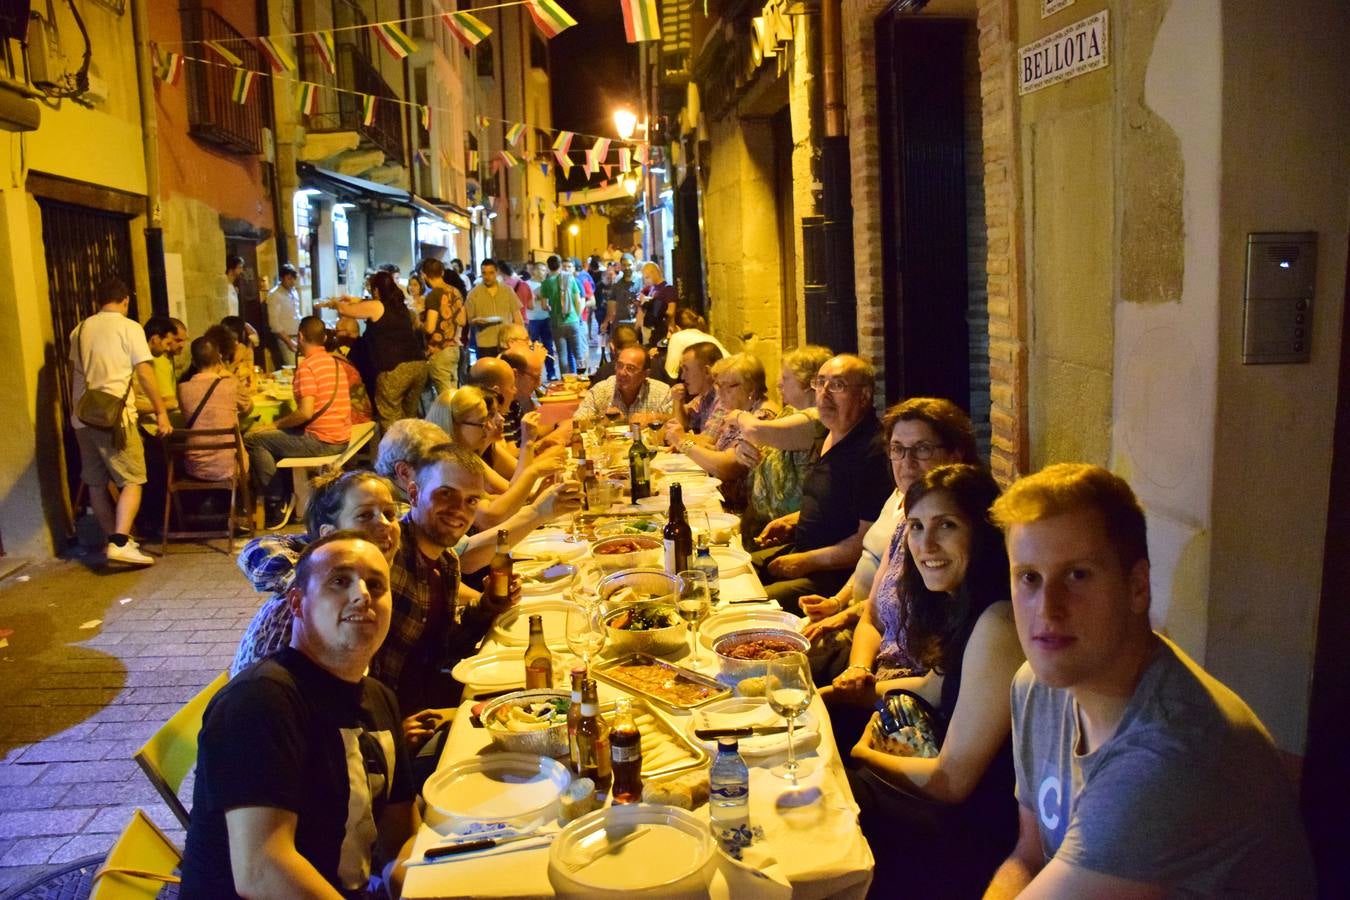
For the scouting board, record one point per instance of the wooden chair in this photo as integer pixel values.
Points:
(141, 862)
(176, 446)
(171, 752)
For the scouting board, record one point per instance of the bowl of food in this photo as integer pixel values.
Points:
(628, 551)
(722, 527)
(638, 609)
(529, 722)
(746, 653)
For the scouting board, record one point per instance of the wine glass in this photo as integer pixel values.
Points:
(694, 603)
(788, 686)
(585, 631)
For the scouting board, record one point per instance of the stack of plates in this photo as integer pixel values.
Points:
(657, 851)
(516, 789)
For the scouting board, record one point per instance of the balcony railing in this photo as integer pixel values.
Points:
(343, 110)
(213, 116)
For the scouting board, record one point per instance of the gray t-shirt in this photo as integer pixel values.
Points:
(1188, 792)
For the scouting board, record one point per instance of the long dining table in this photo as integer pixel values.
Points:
(812, 846)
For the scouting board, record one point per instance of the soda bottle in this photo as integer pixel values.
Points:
(538, 658)
(728, 787)
(705, 563)
(625, 748)
(593, 760)
(678, 536)
(639, 466)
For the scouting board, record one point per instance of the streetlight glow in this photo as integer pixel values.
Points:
(625, 122)
(574, 229)
(630, 184)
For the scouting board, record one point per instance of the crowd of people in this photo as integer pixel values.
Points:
(1072, 749)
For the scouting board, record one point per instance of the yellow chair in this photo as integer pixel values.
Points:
(141, 862)
(171, 752)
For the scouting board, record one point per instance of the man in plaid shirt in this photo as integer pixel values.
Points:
(436, 620)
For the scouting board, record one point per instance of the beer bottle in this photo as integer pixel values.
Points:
(593, 760)
(589, 484)
(677, 535)
(574, 716)
(538, 658)
(578, 445)
(639, 466)
(625, 747)
(499, 570)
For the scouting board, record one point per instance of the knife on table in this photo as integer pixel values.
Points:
(482, 844)
(745, 731)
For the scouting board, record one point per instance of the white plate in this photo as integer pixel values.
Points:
(737, 712)
(491, 671)
(515, 788)
(672, 856)
(550, 543)
(730, 560)
(719, 623)
(557, 587)
(513, 626)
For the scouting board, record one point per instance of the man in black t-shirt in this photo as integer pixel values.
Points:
(813, 551)
(303, 779)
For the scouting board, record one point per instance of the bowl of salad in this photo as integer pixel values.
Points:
(529, 722)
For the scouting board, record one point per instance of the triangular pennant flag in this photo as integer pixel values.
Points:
(549, 17)
(640, 20)
(543, 167)
(307, 97)
(323, 48)
(426, 118)
(171, 68)
(278, 57)
(609, 169)
(568, 197)
(395, 41)
(484, 121)
(219, 50)
(564, 162)
(601, 148)
(243, 84)
(468, 29)
(589, 167)
(625, 159)
(368, 104)
(509, 159)
(513, 133)
(644, 151)
(563, 142)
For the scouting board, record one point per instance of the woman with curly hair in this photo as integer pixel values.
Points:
(395, 347)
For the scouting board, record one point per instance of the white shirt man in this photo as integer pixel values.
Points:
(283, 317)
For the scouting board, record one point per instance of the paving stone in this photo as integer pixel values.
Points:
(125, 731)
(157, 695)
(66, 697)
(37, 823)
(33, 850)
(32, 731)
(115, 818)
(107, 770)
(55, 751)
(32, 796)
(126, 713)
(12, 775)
(137, 791)
(83, 845)
(13, 876)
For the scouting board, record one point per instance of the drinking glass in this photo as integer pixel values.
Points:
(585, 631)
(694, 604)
(788, 686)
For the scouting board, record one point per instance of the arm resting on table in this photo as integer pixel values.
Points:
(264, 860)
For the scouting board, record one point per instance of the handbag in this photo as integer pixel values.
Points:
(96, 408)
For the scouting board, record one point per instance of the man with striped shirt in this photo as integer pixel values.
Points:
(320, 425)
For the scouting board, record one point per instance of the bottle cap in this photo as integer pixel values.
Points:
(727, 743)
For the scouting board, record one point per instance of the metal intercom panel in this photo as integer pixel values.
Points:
(1278, 301)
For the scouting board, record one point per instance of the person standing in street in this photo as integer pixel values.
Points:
(283, 316)
(400, 366)
(491, 305)
(537, 318)
(443, 321)
(234, 270)
(108, 352)
(658, 302)
(563, 296)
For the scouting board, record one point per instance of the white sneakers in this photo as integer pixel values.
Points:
(130, 554)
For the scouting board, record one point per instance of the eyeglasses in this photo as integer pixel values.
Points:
(833, 385)
(487, 423)
(627, 368)
(921, 450)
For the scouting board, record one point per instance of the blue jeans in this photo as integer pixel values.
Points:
(541, 330)
(567, 343)
(266, 447)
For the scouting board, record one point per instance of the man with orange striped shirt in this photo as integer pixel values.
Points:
(321, 424)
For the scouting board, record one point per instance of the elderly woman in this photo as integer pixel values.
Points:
(923, 433)
(740, 385)
(953, 813)
(775, 480)
(469, 416)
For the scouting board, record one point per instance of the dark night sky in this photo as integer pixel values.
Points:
(593, 70)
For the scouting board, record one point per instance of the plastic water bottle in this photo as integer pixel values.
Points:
(705, 563)
(729, 787)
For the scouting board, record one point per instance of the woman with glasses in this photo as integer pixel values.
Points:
(946, 814)
(739, 383)
(470, 416)
(923, 433)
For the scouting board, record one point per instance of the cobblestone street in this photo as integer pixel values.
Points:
(80, 699)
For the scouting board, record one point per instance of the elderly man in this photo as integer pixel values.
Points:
(620, 338)
(303, 777)
(528, 374)
(1139, 774)
(813, 551)
(628, 393)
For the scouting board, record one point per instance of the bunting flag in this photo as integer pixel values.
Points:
(323, 47)
(564, 161)
(609, 170)
(644, 151)
(224, 54)
(395, 40)
(243, 85)
(484, 121)
(473, 161)
(549, 17)
(426, 118)
(563, 142)
(640, 20)
(625, 159)
(600, 148)
(368, 104)
(543, 167)
(278, 57)
(568, 197)
(508, 159)
(307, 97)
(590, 167)
(468, 29)
(171, 70)
(513, 134)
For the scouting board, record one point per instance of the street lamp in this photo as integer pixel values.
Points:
(625, 123)
(574, 229)
(630, 184)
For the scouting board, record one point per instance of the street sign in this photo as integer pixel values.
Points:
(1082, 47)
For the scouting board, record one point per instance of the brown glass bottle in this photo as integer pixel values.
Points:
(499, 570)
(538, 658)
(678, 536)
(574, 715)
(625, 749)
(593, 760)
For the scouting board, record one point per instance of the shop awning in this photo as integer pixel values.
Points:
(351, 188)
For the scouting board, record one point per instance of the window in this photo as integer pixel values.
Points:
(538, 52)
(484, 51)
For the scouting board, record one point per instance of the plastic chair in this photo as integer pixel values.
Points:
(171, 752)
(176, 445)
(141, 862)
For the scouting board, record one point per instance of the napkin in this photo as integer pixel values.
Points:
(806, 735)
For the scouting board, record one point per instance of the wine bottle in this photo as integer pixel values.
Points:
(639, 466)
(678, 536)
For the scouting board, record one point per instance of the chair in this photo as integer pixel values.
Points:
(171, 752)
(304, 466)
(176, 446)
(141, 862)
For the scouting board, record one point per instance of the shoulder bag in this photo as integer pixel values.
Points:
(202, 405)
(96, 408)
(337, 368)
